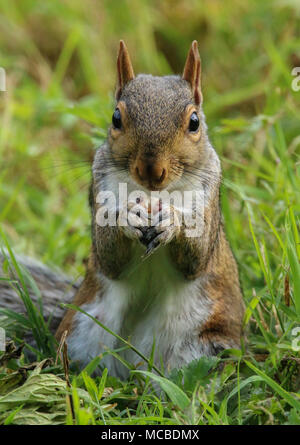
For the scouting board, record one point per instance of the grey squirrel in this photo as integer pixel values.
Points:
(147, 281)
(147, 278)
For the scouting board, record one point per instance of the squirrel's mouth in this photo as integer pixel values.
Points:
(152, 185)
(153, 175)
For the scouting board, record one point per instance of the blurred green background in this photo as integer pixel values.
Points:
(60, 60)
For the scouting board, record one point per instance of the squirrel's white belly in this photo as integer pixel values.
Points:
(152, 302)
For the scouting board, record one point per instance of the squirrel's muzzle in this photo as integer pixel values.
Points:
(152, 171)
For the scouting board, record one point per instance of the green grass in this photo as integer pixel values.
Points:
(60, 61)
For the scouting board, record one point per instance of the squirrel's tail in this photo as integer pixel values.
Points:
(54, 287)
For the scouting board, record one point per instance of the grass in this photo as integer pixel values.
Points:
(59, 58)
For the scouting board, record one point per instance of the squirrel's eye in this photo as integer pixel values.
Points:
(116, 119)
(194, 122)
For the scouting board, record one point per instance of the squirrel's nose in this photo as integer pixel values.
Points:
(151, 171)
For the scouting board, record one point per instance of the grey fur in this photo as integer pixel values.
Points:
(155, 106)
(55, 288)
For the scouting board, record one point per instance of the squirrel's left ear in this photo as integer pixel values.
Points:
(125, 70)
(192, 71)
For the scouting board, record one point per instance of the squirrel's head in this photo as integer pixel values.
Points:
(157, 124)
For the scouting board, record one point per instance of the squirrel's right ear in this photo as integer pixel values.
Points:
(125, 70)
(192, 71)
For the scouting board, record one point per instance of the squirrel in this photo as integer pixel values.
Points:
(146, 280)
(150, 278)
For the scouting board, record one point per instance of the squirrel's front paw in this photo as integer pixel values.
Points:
(165, 225)
(134, 220)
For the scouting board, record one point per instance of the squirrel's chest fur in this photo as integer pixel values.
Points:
(152, 303)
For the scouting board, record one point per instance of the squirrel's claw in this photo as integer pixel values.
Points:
(151, 247)
(149, 235)
(158, 236)
(165, 229)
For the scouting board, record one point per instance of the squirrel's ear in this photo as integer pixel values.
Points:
(192, 71)
(125, 70)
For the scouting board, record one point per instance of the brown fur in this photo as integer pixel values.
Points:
(125, 70)
(86, 293)
(192, 71)
(225, 325)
